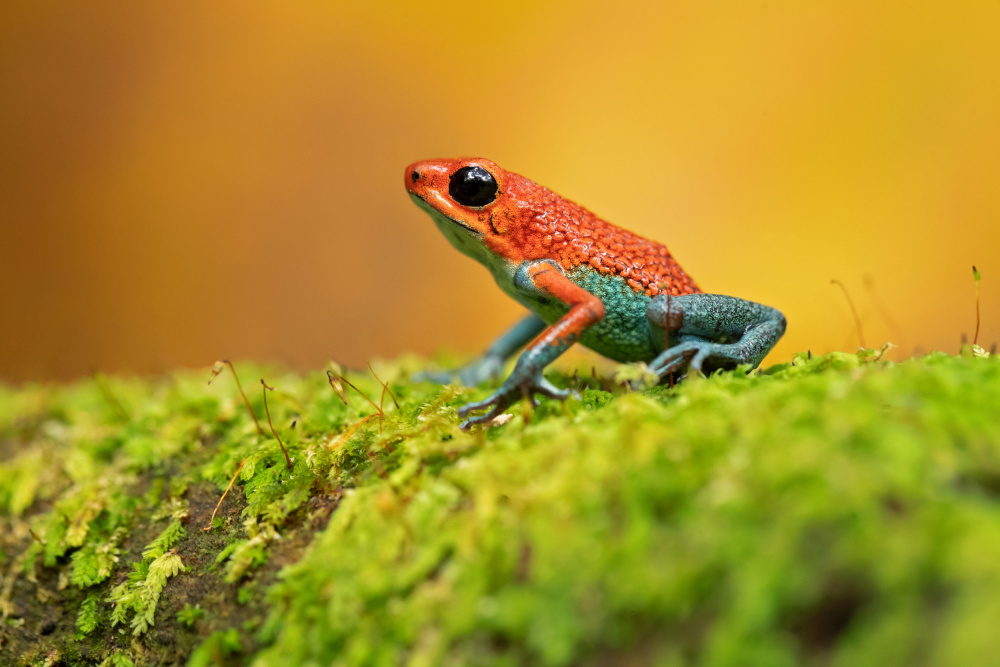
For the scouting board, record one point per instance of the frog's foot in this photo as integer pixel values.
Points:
(507, 395)
(713, 332)
(480, 370)
(700, 355)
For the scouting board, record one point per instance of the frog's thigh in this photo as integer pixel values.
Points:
(723, 330)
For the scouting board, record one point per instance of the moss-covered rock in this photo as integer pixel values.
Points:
(837, 510)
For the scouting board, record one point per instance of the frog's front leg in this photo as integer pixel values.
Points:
(707, 332)
(490, 363)
(542, 280)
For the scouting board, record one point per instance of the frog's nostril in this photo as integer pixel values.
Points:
(415, 176)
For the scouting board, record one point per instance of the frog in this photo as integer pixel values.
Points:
(583, 280)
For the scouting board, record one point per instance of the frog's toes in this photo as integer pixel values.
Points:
(713, 356)
(495, 405)
(495, 401)
(543, 386)
(701, 356)
(674, 360)
(504, 397)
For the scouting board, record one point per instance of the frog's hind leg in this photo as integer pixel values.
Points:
(707, 332)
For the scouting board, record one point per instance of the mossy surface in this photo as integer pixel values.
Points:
(841, 510)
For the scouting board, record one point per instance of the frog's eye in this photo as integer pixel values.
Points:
(473, 186)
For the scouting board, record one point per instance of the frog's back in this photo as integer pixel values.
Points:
(552, 227)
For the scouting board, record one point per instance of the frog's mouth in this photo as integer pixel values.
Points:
(438, 216)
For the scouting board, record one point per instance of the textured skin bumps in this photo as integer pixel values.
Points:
(530, 222)
(552, 227)
(623, 334)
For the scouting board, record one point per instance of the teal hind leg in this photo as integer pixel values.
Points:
(707, 332)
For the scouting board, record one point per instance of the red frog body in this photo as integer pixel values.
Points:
(584, 279)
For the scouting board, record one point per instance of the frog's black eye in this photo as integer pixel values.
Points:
(473, 186)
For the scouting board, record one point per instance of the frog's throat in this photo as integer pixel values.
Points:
(466, 240)
(439, 217)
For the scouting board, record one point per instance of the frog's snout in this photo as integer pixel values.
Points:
(426, 178)
(418, 176)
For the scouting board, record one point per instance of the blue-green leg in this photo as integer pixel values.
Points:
(490, 363)
(707, 332)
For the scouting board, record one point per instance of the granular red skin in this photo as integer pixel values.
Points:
(530, 222)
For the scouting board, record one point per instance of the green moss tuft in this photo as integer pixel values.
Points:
(86, 618)
(190, 615)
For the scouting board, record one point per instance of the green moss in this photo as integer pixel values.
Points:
(835, 510)
(190, 615)
(139, 594)
(217, 648)
(86, 618)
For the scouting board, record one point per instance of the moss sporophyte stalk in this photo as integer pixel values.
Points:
(839, 509)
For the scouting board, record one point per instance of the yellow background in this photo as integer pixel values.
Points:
(183, 181)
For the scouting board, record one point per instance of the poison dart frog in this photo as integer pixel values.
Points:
(584, 280)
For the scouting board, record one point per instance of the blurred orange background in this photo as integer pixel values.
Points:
(186, 181)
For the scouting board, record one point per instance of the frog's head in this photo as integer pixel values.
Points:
(469, 199)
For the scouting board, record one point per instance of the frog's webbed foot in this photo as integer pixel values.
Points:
(508, 394)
